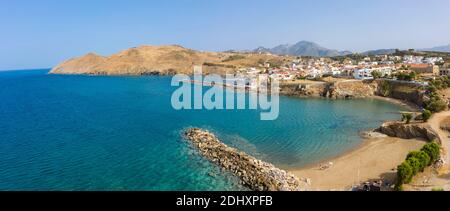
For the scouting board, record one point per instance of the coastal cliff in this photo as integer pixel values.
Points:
(347, 89)
(256, 174)
(401, 90)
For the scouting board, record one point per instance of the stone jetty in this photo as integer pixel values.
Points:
(255, 174)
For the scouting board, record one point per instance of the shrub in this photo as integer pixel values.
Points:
(376, 74)
(405, 76)
(424, 159)
(415, 165)
(233, 57)
(398, 188)
(408, 117)
(437, 189)
(386, 88)
(404, 173)
(426, 115)
(412, 154)
(416, 161)
(433, 150)
(432, 88)
(436, 105)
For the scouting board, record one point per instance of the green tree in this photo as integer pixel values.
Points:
(415, 165)
(432, 88)
(404, 173)
(424, 159)
(376, 74)
(426, 115)
(404, 77)
(407, 117)
(412, 154)
(386, 88)
(436, 105)
(433, 150)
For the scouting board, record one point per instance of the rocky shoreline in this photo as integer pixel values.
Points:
(409, 131)
(255, 174)
(349, 89)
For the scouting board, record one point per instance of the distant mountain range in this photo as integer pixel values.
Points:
(302, 48)
(307, 48)
(445, 48)
(379, 52)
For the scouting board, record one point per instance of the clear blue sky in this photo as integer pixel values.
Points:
(42, 33)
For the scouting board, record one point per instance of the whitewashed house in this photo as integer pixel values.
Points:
(363, 74)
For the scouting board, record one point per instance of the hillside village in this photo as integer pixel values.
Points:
(407, 68)
(412, 66)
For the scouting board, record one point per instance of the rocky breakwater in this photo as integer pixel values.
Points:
(409, 131)
(255, 174)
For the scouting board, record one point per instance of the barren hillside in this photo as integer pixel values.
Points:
(160, 60)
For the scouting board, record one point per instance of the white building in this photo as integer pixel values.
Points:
(432, 60)
(410, 59)
(314, 73)
(363, 74)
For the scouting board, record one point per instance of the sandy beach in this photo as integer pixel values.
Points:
(408, 105)
(375, 159)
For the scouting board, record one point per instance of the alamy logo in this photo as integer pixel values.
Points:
(223, 93)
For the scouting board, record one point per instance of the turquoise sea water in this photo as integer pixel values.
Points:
(121, 133)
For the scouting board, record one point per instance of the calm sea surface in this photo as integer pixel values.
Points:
(121, 133)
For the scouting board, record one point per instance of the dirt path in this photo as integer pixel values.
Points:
(430, 179)
(435, 123)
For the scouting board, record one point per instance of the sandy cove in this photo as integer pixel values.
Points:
(376, 158)
(408, 105)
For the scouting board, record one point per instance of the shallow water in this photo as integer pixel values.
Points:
(121, 133)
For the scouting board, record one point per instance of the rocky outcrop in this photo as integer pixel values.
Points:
(409, 131)
(257, 175)
(334, 90)
(401, 90)
(353, 89)
(305, 90)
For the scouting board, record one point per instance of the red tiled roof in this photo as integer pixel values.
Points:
(419, 65)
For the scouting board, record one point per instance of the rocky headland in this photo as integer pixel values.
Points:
(161, 60)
